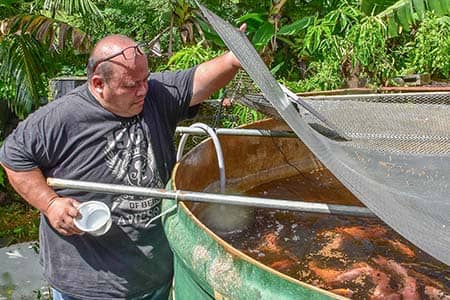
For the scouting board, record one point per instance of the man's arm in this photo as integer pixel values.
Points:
(32, 186)
(213, 75)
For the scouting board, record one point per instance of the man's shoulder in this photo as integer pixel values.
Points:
(59, 108)
(73, 97)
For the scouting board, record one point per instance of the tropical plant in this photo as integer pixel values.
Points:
(429, 51)
(22, 68)
(403, 14)
(364, 37)
(239, 115)
(139, 19)
(190, 56)
(320, 76)
(31, 42)
(263, 27)
(185, 20)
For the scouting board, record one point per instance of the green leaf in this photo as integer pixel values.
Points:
(275, 69)
(366, 6)
(253, 21)
(286, 41)
(296, 27)
(419, 7)
(22, 64)
(210, 34)
(86, 8)
(446, 6)
(392, 26)
(317, 40)
(404, 17)
(251, 17)
(435, 6)
(315, 34)
(263, 35)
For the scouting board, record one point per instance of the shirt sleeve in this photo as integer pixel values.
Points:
(172, 92)
(27, 147)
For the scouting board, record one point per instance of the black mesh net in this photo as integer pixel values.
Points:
(398, 159)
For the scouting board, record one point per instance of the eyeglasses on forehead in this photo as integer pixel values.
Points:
(127, 53)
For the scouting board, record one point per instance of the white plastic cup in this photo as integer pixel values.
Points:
(95, 218)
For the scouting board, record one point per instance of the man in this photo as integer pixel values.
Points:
(117, 128)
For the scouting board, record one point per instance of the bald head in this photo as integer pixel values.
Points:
(104, 48)
(118, 74)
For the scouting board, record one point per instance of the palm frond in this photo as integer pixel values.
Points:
(46, 30)
(7, 8)
(404, 13)
(21, 65)
(85, 8)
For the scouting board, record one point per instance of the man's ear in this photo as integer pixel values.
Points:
(97, 83)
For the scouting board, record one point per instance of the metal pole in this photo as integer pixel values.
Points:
(210, 198)
(237, 131)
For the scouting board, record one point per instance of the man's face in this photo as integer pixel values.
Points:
(123, 94)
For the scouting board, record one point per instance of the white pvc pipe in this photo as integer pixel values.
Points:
(217, 145)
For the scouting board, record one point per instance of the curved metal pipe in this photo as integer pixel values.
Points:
(217, 145)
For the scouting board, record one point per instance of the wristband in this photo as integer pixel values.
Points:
(51, 201)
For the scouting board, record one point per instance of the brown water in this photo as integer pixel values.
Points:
(360, 258)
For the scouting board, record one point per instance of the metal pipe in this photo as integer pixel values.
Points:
(210, 198)
(217, 145)
(237, 131)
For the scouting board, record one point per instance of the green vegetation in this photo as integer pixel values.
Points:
(309, 45)
(18, 223)
(429, 51)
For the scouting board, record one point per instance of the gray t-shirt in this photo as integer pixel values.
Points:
(74, 137)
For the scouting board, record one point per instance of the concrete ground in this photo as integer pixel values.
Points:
(21, 274)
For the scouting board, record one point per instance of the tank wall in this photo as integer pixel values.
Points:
(253, 161)
(249, 161)
(206, 266)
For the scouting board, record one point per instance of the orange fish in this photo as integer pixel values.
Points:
(402, 248)
(361, 232)
(282, 264)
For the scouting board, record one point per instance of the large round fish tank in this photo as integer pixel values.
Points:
(206, 266)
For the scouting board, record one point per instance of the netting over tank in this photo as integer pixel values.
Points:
(398, 159)
(415, 123)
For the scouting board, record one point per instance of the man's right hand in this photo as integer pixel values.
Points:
(60, 213)
(33, 187)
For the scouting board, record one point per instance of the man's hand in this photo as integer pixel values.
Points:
(60, 213)
(32, 186)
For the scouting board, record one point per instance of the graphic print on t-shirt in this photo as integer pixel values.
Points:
(130, 157)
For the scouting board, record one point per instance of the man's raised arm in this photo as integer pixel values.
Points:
(214, 74)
